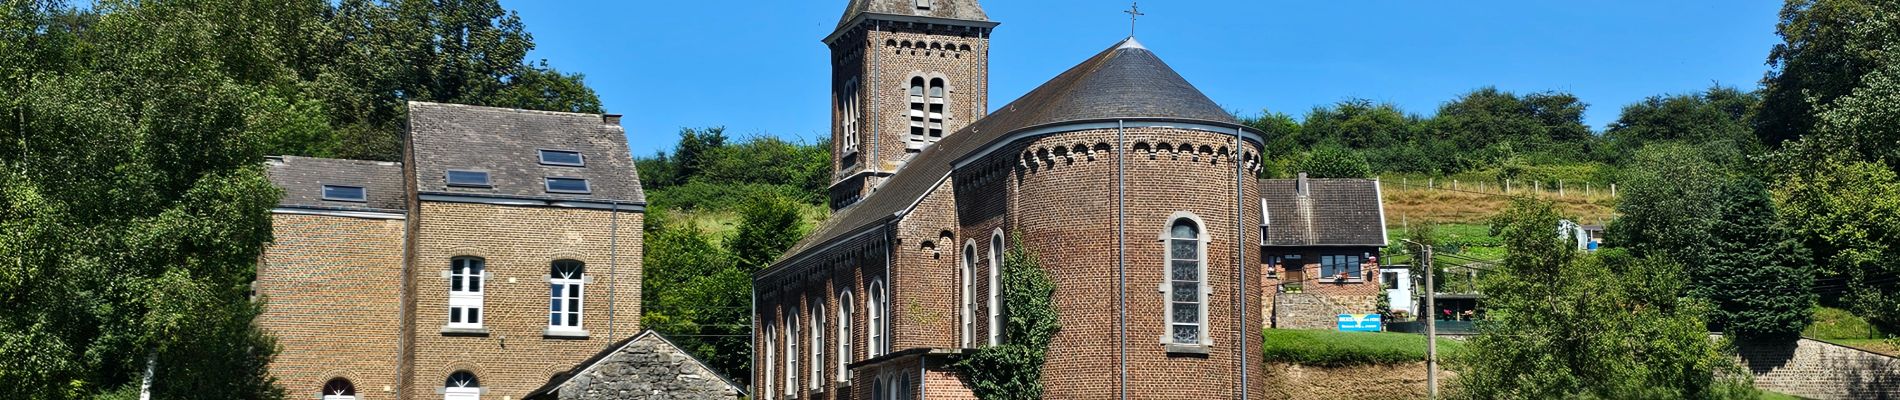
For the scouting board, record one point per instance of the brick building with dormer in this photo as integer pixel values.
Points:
(504, 250)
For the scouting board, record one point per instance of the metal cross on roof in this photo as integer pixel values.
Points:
(1134, 13)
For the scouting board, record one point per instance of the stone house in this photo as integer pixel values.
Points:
(504, 249)
(646, 366)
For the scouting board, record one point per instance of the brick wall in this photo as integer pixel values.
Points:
(850, 264)
(877, 57)
(1062, 201)
(518, 245)
(330, 286)
(1820, 370)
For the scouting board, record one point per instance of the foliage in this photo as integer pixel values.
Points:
(1325, 348)
(1718, 116)
(1335, 162)
(133, 207)
(1664, 202)
(694, 292)
(1013, 370)
(706, 172)
(1356, 123)
(1562, 324)
(1827, 47)
(1848, 214)
(1487, 116)
(767, 228)
(1833, 323)
(1758, 277)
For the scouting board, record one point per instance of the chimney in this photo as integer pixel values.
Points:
(1300, 187)
(610, 119)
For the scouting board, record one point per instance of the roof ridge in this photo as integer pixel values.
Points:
(413, 103)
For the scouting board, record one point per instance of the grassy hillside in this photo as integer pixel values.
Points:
(1844, 328)
(1326, 348)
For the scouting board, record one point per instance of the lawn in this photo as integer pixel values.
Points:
(1325, 348)
(1841, 327)
(1767, 395)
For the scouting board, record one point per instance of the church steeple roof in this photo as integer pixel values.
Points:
(1126, 82)
(967, 10)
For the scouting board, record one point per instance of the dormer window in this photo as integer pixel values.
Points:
(468, 178)
(568, 185)
(562, 158)
(352, 194)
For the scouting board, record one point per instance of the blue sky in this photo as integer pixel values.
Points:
(757, 67)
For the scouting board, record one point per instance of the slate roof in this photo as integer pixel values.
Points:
(302, 180)
(1334, 212)
(967, 10)
(551, 390)
(505, 142)
(1125, 82)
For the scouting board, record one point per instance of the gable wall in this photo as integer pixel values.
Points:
(330, 289)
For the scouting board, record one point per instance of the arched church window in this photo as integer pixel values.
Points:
(339, 389)
(848, 117)
(771, 359)
(967, 271)
(877, 307)
(845, 316)
(791, 352)
(1186, 290)
(996, 287)
(817, 364)
(918, 126)
(936, 108)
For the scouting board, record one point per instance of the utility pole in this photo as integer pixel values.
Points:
(1431, 322)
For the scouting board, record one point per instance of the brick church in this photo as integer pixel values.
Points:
(1137, 192)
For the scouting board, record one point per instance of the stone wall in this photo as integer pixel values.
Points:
(1820, 370)
(648, 368)
(1395, 381)
(1318, 311)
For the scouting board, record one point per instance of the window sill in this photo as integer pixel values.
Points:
(448, 331)
(1198, 350)
(564, 334)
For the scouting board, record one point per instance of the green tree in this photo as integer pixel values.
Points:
(1718, 116)
(1848, 214)
(1013, 369)
(1758, 276)
(1356, 123)
(1664, 202)
(694, 292)
(1335, 162)
(1827, 46)
(1561, 324)
(767, 228)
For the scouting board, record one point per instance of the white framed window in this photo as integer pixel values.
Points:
(996, 287)
(791, 352)
(461, 385)
(817, 363)
(966, 269)
(465, 292)
(875, 305)
(338, 389)
(844, 334)
(1333, 266)
(1186, 287)
(771, 361)
(566, 281)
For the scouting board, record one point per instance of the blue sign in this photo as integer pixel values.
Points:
(1360, 322)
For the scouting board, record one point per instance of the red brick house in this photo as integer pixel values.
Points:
(1320, 241)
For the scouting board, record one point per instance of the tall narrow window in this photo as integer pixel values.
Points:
(1186, 292)
(791, 352)
(845, 316)
(936, 108)
(771, 361)
(918, 105)
(461, 385)
(565, 279)
(339, 389)
(875, 306)
(967, 271)
(465, 292)
(848, 117)
(996, 287)
(817, 363)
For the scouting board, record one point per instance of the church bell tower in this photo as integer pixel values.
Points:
(905, 74)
